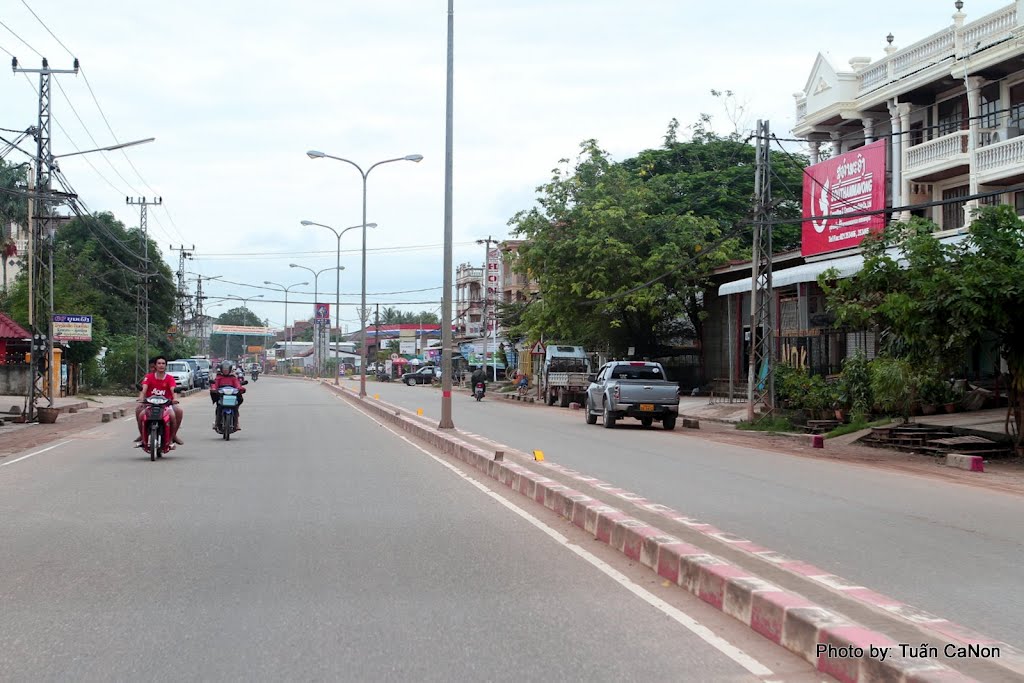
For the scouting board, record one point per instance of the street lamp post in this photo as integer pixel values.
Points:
(337, 286)
(316, 300)
(288, 334)
(314, 154)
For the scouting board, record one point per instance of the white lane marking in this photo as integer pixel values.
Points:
(704, 633)
(25, 457)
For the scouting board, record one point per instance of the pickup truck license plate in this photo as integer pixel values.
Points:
(647, 406)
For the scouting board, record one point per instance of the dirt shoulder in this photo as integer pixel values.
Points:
(999, 475)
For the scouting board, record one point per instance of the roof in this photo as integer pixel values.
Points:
(12, 330)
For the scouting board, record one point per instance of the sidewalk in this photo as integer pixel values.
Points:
(87, 413)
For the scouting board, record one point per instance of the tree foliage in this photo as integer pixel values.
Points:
(96, 262)
(622, 251)
(933, 301)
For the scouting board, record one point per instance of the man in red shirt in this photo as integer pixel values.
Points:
(159, 383)
(227, 378)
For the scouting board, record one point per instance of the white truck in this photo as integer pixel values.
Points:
(564, 375)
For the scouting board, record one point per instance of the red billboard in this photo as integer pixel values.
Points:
(322, 313)
(852, 183)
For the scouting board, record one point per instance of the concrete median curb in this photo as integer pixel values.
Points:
(833, 644)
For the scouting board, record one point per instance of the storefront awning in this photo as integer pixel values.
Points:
(847, 266)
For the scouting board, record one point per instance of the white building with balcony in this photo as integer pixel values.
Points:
(950, 106)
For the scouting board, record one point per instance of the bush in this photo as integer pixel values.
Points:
(854, 390)
(894, 386)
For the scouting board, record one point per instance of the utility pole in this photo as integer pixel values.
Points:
(490, 297)
(761, 370)
(142, 289)
(41, 266)
(184, 253)
(376, 337)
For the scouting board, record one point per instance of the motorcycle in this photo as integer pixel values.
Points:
(255, 375)
(227, 410)
(383, 376)
(157, 440)
(479, 391)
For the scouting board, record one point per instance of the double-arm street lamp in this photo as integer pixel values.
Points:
(337, 287)
(316, 301)
(313, 154)
(288, 334)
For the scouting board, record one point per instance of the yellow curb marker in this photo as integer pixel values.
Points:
(538, 456)
(419, 411)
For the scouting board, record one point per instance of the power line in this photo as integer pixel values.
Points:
(47, 29)
(21, 39)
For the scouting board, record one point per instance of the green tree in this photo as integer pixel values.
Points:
(615, 265)
(232, 345)
(933, 301)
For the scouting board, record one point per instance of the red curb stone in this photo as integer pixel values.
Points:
(713, 580)
(606, 522)
(634, 539)
(768, 612)
(871, 597)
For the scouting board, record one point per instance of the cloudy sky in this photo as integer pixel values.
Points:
(236, 92)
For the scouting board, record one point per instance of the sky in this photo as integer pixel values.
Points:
(235, 93)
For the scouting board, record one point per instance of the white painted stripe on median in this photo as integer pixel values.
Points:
(43, 450)
(704, 633)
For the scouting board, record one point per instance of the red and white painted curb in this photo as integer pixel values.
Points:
(834, 644)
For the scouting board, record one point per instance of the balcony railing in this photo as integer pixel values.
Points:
(976, 35)
(1001, 158)
(946, 151)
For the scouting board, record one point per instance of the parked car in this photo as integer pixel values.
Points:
(205, 368)
(200, 377)
(424, 375)
(636, 389)
(182, 374)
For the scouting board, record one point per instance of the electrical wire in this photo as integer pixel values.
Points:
(47, 29)
(9, 53)
(21, 39)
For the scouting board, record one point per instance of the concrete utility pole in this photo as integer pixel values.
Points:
(142, 289)
(761, 370)
(446, 296)
(41, 266)
(488, 303)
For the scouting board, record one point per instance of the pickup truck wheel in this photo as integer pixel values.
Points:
(563, 398)
(669, 423)
(646, 421)
(589, 414)
(550, 398)
(609, 419)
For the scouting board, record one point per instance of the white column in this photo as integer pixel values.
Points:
(974, 84)
(837, 144)
(869, 130)
(897, 154)
(903, 110)
(813, 145)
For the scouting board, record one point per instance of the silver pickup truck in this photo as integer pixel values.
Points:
(635, 389)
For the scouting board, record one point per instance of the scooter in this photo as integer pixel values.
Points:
(255, 375)
(383, 376)
(157, 440)
(479, 391)
(227, 411)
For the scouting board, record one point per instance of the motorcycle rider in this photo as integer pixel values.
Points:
(159, 383)
(226, 377)
(479, 376)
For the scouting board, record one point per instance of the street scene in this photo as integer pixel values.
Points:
(619, 370)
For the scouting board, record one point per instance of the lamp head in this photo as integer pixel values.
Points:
(314, 154)
(294, 265)
(306, 222)
(414, 157)
(371, 225)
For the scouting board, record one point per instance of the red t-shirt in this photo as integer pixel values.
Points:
(226, 381)
(158, 387)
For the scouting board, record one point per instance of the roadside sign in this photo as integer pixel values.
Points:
(394, 356)
(538, 349)
(322, 313)
(71, 327)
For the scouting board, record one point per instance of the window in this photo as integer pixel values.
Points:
(953, 213)
(1017, 106)
(951, 115)
(989, 106)
(917, 133)
(1018, 202)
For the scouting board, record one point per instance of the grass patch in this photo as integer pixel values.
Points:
(842, 430)
(768, 424)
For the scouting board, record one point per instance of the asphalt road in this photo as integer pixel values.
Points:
(950, 549)
(315, 545)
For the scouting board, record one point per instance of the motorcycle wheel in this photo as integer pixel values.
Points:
(228, 426)
(154, 440)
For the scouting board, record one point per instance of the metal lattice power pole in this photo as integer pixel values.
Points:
(184, 253)
(761, 371)
(41, 239)
(142, 289)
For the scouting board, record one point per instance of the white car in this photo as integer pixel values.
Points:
(182, 374)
